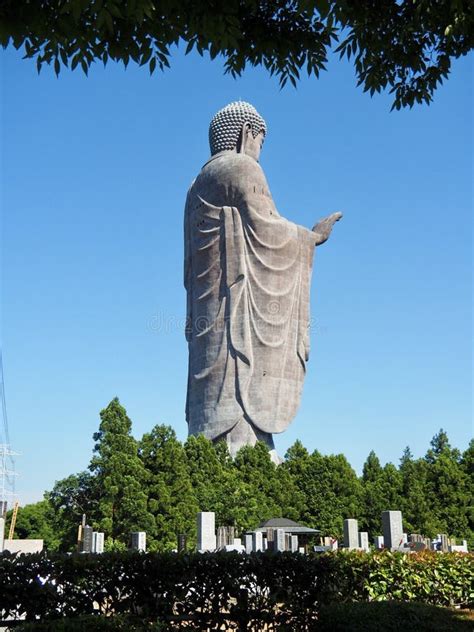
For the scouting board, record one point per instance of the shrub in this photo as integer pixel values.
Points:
(227, 589)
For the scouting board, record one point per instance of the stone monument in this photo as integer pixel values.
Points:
(248, 543)
(279, 541)
(247, 274)
(392, 529)
(257, 541)
(379, 542)
(364, 540)
(87, 539)
(98, 541)
(138, 541)
(206, 531)
(351, 533)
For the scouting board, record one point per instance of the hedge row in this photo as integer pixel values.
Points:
(242, 592)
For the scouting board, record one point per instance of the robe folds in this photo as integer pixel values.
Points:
(247, 276)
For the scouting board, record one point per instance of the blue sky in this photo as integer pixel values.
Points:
(94, 176)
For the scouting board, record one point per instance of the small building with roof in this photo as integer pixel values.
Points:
(289, 526)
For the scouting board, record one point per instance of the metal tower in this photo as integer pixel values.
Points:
(7, 462)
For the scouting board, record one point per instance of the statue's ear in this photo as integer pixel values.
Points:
(246, 130)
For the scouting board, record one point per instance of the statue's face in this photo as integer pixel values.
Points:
(253, 146)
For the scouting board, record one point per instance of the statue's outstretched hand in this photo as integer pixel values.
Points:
(323, 228)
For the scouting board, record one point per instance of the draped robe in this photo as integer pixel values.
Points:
(247, 276)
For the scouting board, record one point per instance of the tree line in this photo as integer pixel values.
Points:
(157, 484)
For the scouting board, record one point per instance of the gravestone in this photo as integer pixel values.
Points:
(417, 546)
(87, 535)
(138, 541)
(270, 539)
(257, 541)
(97, 542)
(392, 529)
(351, 533)
(444, 543)
(364, 540)
(206, 531)
(248, 543)
(458, 548)
(331, 543)
(221, 538)
(225, 536)
(279, 540)
(416, 537)
(379, 542)
(182, 542)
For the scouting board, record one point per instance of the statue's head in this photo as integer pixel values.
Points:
(238, 127)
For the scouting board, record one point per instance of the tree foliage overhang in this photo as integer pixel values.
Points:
(406, 46)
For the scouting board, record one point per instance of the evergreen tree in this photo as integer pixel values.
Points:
(406, 458)
(330, 488)
(264, 490)
(70, 499)
(255, 489)
(414, 501)
(120, 477)
(467, 463)
(333, 495)
(296, 465)
(372, 470)
(382, 490)
(289, 497)
(373, 495)
(439, 445)
(447, 486)
(212, 476)
(393, 485)
(171, 500)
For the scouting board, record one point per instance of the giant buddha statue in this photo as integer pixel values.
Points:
(247, 273)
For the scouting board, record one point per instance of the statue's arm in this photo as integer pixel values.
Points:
(252, 192)
(323, 228)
